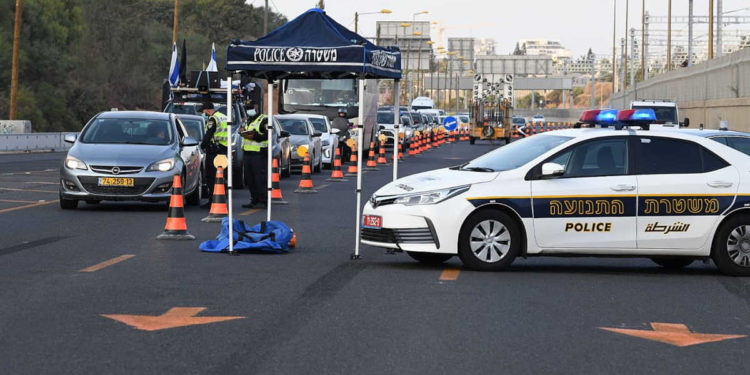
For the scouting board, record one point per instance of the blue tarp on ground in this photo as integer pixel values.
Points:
(313, 45)
(270, 236)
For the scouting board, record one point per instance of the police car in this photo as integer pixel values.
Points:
(623, 190)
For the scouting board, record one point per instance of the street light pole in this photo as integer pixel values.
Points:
(625, 59)
(669, 37)
(14, 68)
(614, 51)
(710, 29)
(690, 33)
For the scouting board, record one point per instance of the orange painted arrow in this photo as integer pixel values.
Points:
(673, 334)
(175, 317)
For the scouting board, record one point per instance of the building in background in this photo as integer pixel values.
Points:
(545, 47)
(484, 46)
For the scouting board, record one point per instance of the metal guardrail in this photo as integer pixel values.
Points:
(27, 142)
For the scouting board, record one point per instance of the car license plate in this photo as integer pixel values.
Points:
(371, 221)
(116, 181)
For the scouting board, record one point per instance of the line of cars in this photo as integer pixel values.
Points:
(411, 120)
(133, 155)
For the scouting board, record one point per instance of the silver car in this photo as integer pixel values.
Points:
(301, 132)
(130, 155)
(329, 138)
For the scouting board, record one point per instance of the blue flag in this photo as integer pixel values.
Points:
(174, 68)
(212, 65)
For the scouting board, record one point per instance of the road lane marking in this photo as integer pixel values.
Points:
(673, 334)
(17, 201)
(32, 190)
(250, 212)
(450, 274)
(27, 206)
(322, 186)
(175, 317)
(107, 263)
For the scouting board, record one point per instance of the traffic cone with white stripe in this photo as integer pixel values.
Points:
(176, 227)
(371, 163)
(352, 170)
(306, 183)
(276, 197)
(218, 200)
(336, 174)
(381, 154)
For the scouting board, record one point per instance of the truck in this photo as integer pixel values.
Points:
(666, 111)
(491, 120)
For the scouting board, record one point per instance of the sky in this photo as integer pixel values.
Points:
(578, 24)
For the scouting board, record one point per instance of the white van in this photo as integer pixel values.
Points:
(422, 102)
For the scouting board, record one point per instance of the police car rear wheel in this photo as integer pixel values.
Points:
(673, 262)
(731, 250)
(489, 240)
(429, 258)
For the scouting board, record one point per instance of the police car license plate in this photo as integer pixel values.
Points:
(116, 181)
(374, 222)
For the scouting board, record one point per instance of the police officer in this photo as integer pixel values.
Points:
(214, 143)
(255, 161)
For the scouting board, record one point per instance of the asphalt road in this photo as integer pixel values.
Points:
(315, 311)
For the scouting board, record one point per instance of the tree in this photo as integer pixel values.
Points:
(517, 51)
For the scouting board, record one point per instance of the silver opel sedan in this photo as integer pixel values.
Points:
(130, 155)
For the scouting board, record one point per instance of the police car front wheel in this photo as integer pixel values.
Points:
(731, 250)
(489, 240)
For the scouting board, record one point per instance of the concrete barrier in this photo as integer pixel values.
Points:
(705, 93)
(33, 142)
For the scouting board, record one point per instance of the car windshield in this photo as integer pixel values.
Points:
(294, 126)
(417, 117)
(128, 131)
(185, 108)
(319, 124)
(663, 114)
(193, 127)
(464, 118)
(518, 120)
(515, 154)
(385, 117)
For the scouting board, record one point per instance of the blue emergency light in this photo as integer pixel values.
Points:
(637, 117)
(606, 117)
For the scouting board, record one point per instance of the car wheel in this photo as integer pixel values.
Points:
(472, 140)
(673, 262)
(194, 198)
(731, 248)
(286, 172)
(489, 241)
(429, 258)
(68, 204)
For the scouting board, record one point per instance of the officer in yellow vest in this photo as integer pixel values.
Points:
(214, 143)
(255, 161)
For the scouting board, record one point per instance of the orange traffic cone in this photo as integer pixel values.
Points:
(352, 170)
(411, 146)
(381, 154)
(371, 163)
(218, 201)
(276, 197)
(306, 183)
(336, 174)
(176, 228)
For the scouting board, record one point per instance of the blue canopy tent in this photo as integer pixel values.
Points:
(314, 46)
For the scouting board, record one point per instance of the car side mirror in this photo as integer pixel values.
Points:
(188, 142)
(335, 131)
(685, 123)
(70, 138)
(284, 134)
(552, 170)
(381, 127)
(317, 134)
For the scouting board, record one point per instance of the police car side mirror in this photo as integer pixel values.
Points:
(552, 170)
(70, 138)
(685, 123)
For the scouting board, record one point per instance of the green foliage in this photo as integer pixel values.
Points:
(80, 57)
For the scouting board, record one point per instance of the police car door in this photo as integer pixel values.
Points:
(591, 203)
(682, 189)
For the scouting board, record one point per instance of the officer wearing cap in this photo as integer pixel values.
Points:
(255, 161)
(341, 123)
(214, 142)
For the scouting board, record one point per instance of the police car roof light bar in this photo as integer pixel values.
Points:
(606, 117)
(589, 117)
(637, 117)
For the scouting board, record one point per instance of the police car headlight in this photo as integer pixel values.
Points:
(161, 166)
(73, 163)
(430, 197)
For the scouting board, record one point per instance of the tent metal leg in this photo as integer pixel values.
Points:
(360, 130)
(396, 127)
(229, 164)
(269, 129)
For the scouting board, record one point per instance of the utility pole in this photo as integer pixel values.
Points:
(614, 57)
(176, 17)
(632, 54)
(710, 29)
(623, 53)
(669, 37)
(718, 27)
(565, 73)
(265, 18)
(645, 46)
(690, 33)
(644, 75)
(625, 59)
(356, 22)
(593, 82)
(14, 69)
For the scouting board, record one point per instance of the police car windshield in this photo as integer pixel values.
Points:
(515, 154)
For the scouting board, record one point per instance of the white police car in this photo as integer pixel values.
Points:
(670, 196)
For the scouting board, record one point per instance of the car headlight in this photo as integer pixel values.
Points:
(73, 163)
(430, 197)
(162, 165)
